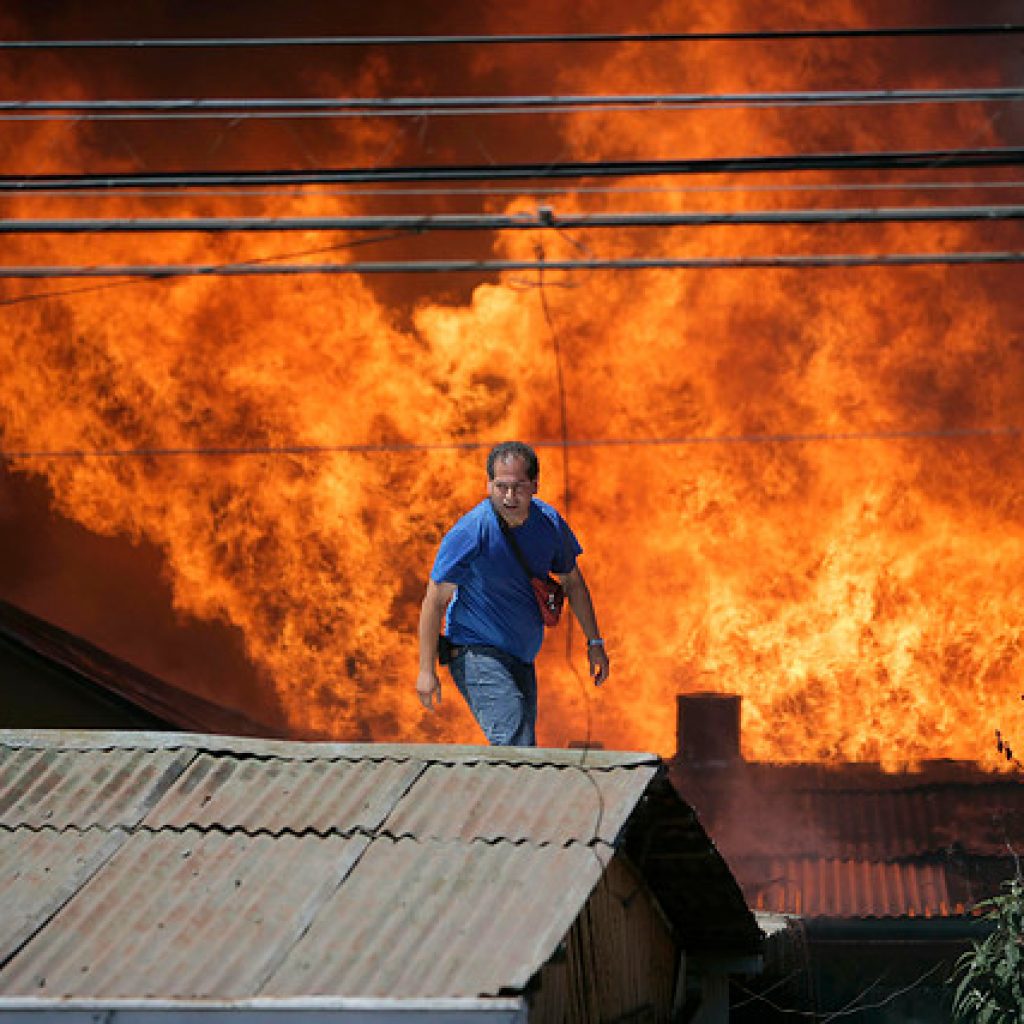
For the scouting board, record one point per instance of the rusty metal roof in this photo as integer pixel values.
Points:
(55, 788)
(850, 888)
(184, 914)
(920, 818)
(278, 795)
(853, 841)
(370, 937)
(321, 868)
(514, 802)
(40, 871)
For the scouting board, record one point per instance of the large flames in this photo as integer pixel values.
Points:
(751, 523)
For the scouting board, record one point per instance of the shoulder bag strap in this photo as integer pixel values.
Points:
(514, 544)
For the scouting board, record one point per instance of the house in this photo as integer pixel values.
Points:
(191, 877)
(867, 880)
(57, 680)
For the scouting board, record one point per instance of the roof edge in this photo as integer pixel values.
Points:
(440, 753)
(268, 1003)
(92, 666)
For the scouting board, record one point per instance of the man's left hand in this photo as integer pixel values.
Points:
(599, 665)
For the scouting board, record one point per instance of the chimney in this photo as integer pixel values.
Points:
(707, 729)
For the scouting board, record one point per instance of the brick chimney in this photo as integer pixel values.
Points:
(707, 729)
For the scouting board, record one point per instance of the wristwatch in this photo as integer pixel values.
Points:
(596, 642)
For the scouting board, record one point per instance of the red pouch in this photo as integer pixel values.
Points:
(550, 597)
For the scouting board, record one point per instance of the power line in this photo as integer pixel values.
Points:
(776, 262)
(434, 106)
(602, 190)
(895, 32)
(1001, 156)
(226, 451)
(133, 282)
(543, 218)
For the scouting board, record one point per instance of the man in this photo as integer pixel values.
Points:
(482, 592)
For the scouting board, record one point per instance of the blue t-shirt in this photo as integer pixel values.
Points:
(494, 602)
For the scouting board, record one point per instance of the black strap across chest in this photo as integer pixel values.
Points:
(514, 544)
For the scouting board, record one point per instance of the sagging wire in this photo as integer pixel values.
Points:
(853, 1007)
(516, 39)
(255, 267)
(563, 404)
(302, 192)
(563, 445)
(962, 434)
(301, 107)
(779, 983)
(153, 279)
(999, 156)
(546, 217)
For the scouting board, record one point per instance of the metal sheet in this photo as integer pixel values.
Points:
(54, 788)
(184, 915)
(236, 883)
(40, 871)
(858, 811)
(441, 918)
(813, 887)
(919, 820)
(435, 753)
(277, 795)
(265, 1011)
(519, 803)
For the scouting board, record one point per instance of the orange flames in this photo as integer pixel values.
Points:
(863, 594)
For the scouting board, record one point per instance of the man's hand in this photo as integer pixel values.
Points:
(582, 606)
(599, 665)
(428, 688)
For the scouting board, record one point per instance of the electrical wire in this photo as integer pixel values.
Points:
(135, 282)
(545, 218)
(440, 106)
(563, 419)
(774, 262)
(895, 32)
(411, 448)
(1003, 156)
(287, 192)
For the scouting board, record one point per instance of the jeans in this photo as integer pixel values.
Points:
(501, 691)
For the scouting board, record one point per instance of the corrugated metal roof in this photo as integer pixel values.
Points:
(441, 918)
(915, 821)
(295, 750)
(54, 788)
(279, 855)
(40, 872)
(277, 795)
(184, 915)
(856, 841)
(850, 888)
(799, 810)
(501, 801)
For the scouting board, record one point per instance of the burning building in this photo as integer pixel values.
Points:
(868, 881)
(800, 484)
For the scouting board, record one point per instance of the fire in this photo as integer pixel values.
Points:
(751, 521)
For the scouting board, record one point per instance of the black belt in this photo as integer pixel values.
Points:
(457, 650)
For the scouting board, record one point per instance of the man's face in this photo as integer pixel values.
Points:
(511, 489)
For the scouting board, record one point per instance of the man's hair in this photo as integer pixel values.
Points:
(514, 450)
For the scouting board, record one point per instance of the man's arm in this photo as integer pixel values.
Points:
(582, 606)
(435, 601)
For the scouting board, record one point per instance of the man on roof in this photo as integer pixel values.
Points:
(484, 587)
